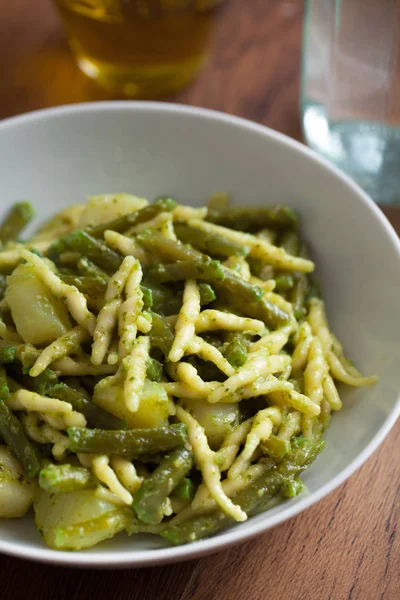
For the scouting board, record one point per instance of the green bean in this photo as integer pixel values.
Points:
(276, 447)
(255, 218)
(96, 416)
(169, 250)
(138, 216)
(184, 490)
(92, 286)
(16, 219)
(264, 310)
(235, 351)
(209, 243)
(298, 295)
(3, 285)
(25, 353)
(55, 249)
(292, 488)
(42, 384)
(65, 478)
(236, 286)
(164, 300)
(249, 499)
(161, 334)
(154, 369)
(207, 294)
(148, 500)
(75, 383)
(95, 250)
(87, 268)
(132, 443)
(147, 297)
(13, 434)
(7, 355)
(289, 241)
(174, 250)
(284, 282)
(206, 269)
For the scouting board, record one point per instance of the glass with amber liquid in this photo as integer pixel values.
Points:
(139, 48)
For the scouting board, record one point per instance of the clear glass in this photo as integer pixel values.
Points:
(350, 98)
(139, 48)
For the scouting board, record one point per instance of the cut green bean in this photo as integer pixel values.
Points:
(154, 369)
(123, 223)
(270, 313)
(96, 416)
(164, 300)
(147, 295)
(13, 434)
(207, 294)
(16, 219)
(255, 218)
(132, 443)
(284, 282)
(95, 250)
(264, 310)
(235, 351)
(65, 478)
(168, 250)
(206, 269)
(25, 353)
(42, 384)
(236, 286)
(148, 500)
(7, 355)
(161, 334)
(298, 295)
(55, 249)
(276, 447)
(292, 488)
(249, 499)
(91, 286)
(210, 243)
(87, 268)
(185, 490)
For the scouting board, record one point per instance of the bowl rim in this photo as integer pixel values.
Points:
(233, 536)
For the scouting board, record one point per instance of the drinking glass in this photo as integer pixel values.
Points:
(350, 97)
(139, 48)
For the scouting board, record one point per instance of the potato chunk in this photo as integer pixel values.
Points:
(16, 492)
(103, 208)
(153, 407)
(38, 315)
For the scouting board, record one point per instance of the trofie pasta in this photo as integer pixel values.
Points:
(163, 369)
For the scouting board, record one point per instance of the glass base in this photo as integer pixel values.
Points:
(367, 151)
(140, 82)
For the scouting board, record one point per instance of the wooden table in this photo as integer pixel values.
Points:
(348, 545)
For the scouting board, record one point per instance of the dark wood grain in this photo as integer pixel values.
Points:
(347, 546)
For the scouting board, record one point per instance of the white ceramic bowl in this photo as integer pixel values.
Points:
(60, 156)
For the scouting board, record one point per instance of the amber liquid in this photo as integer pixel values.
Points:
(139, 48)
